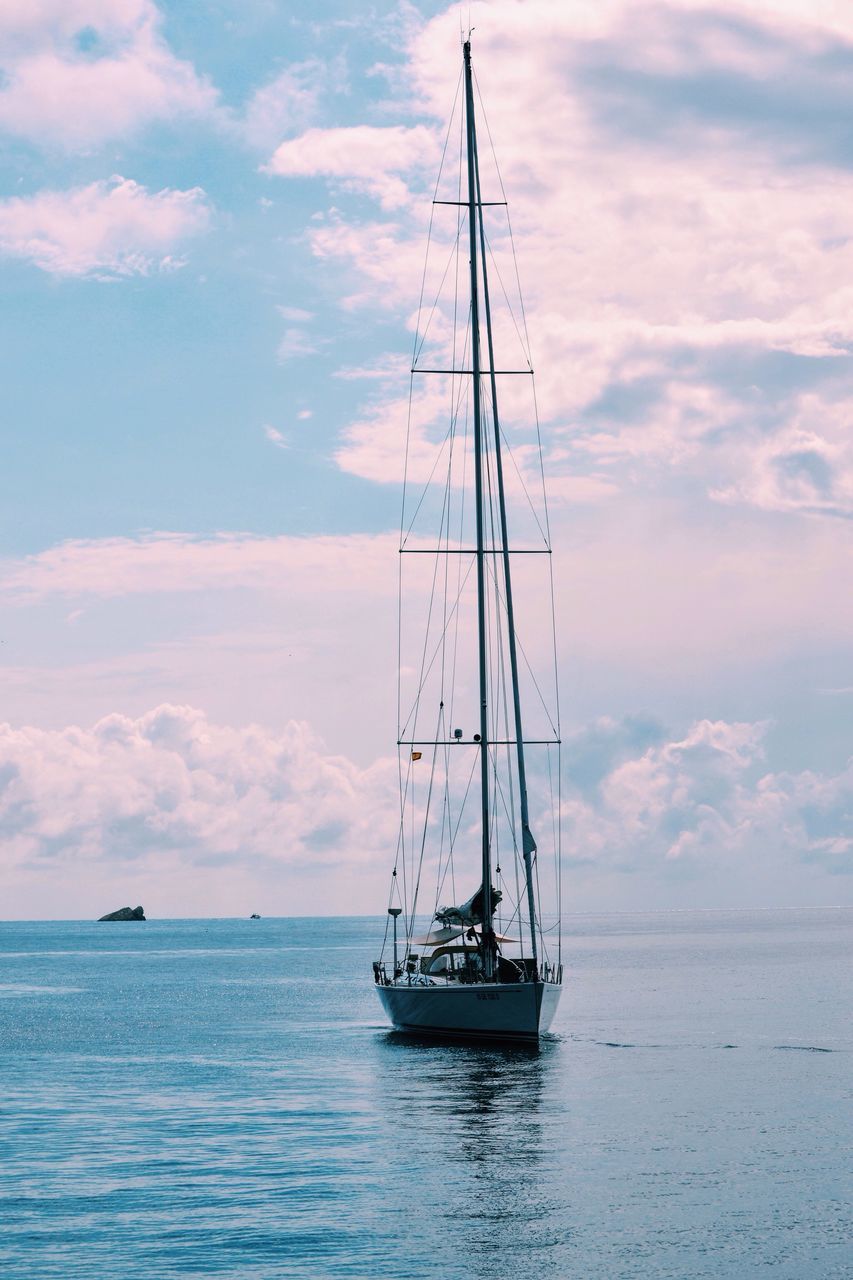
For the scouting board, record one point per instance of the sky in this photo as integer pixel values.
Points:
(212, 227)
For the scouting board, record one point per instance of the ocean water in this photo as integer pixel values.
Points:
(221, 1098)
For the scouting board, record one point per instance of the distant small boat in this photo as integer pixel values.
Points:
(254, 916)
(464, 977)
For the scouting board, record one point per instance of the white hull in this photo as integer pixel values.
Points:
(506, 1011)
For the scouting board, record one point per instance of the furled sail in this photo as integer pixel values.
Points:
(470, 912)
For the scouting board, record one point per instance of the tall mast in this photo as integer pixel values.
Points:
(488, 944)
(528, 844)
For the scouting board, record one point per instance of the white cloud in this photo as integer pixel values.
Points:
(806, 466)
(79, 73)
(295, 314)
(169, 562)
(704, 799)
(107, 229)
(679, 220)
(191, 816)
(288, 102)
(275, 437)
(171, 792)
(294, 343)
(364, 157)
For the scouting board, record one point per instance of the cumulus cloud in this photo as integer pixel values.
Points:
(106, 229)
(202, 806)
(76, 73)
(172, 788)
(703, 797)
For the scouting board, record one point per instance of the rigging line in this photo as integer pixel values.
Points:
(406, 457)
(442, 867)
(498, 677)
(506, 202)
(426, 487)
(441, 726)
(420, 308)
(526, 492)
(523, 312)
(429, 614)
(500, 673)
(529, 351)
(506, 808)
(509, 769)
(404, 537)
(455, 403)
(544, 532)
(489, 514)
(553, 816)
(455, 409)
(495, 834)
(554, 645)
(459, 581)
(417, 885)
(401, 844)
(465, 797)
(432, 210)
(509, 305)
(405, 791)
(455, 830)
(526, 340)
(560, 853)
(511, 235)
(545, 955)
(416, 707)
(554, 833)
(512, 919)
(541, 463)
(535, 681)
(443, 863)
(425, 673)
(400, 614)
(524, 321)
(423, 336)
(447, 503)
(418, 347)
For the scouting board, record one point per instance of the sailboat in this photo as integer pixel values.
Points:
(490, 966)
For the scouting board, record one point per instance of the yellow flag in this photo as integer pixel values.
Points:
(416, 755)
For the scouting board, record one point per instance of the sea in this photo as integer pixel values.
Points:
(223, 1098)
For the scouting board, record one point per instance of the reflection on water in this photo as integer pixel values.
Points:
(468, 1121)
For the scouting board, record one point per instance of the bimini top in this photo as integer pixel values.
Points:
(437, 938)
(440, 937)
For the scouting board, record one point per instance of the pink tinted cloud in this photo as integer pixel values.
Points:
(170, 562)
(706, 798)
(170, 791)
(57, 94)
(646, 258)
(190, 816)
(364, 157)
(107, 229)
